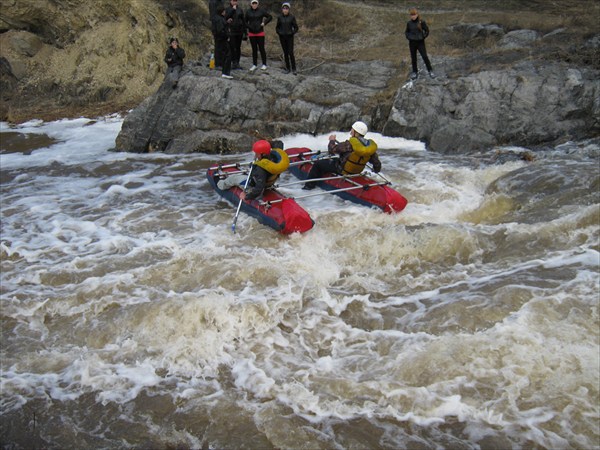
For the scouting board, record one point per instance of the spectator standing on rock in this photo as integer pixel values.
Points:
(212, 10)
(222, 47)
(174, 59)
(416, 33)
(286, 29)
(256, 19)
(237, 31)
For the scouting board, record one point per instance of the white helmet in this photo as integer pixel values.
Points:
(360, 127)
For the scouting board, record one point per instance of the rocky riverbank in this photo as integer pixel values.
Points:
(496, 84)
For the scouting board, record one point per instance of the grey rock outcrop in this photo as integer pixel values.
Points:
(526, 105)
(207, 113)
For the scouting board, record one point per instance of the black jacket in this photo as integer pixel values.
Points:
(412, 30)
(219, 28)
(254, 18)
(174, 57)
(257, 182)
(212, 7)
(237, 27)
(286, 25)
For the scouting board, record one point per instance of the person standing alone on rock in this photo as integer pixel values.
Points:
(416, 33)
(286, 29)
(174, 59)
(256, 19)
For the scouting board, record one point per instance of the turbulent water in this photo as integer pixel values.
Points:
(133, 318)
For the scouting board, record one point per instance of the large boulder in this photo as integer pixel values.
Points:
(526, 105)
(207, 113)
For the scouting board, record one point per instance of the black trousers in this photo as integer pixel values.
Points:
(322, 167)
(419, 46)
(235, 43)
(258, 44)
(287, 44)
(222, 49)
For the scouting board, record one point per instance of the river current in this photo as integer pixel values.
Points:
(132, 317)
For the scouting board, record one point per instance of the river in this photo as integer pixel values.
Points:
(133, 318)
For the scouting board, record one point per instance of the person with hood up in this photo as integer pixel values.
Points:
(354, 154)
(416, 33)
(222, 47)
(286, 29)
(256, 19)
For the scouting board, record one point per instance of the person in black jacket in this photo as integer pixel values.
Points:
(286, 29)
(174, 59)
(416, 33)
(237, 31)
(256, 19)
(212, 10)
(222, 41)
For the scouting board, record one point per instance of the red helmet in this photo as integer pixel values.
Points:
(261, 147)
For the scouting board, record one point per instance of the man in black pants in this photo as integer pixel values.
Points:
(222, 49)
(212, 11)
(237, 31)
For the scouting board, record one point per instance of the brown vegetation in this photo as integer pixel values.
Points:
(109, 58)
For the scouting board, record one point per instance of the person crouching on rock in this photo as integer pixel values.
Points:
(268, 164)
(174, 59)
(286, 29)
(354, 154)
(416, 33)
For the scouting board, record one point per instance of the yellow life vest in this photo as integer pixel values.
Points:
(275, 165)
(356, 161)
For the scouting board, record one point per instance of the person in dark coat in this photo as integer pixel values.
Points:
(222, 47)
(416, 33)
(174, 59)
(212, 10)
(286, 29)
(256, 19)
(237, 31)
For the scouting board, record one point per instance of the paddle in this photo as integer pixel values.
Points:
(370, 166)
(237, 213)
(361, 186)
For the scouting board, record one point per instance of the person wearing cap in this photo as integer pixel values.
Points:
(354, 154)
(222, 47)
(174, 59)
(416, 33)
(256, 19)
(286, 29)
(269, 163)
(234, 15)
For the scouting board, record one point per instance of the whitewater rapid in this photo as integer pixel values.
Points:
(133, 318)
